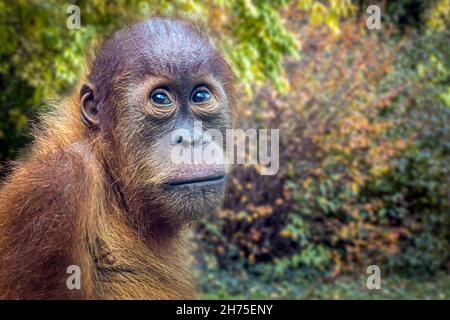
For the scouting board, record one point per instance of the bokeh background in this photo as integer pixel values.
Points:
(365, 136)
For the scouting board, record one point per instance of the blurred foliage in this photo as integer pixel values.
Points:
(293, 286)
(365, 160)
(407, 14)
(364, 118)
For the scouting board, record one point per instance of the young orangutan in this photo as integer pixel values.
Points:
(99, 189)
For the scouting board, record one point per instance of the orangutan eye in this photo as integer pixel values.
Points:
(161, 97)
(201, 95)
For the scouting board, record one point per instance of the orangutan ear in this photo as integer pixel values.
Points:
(89, 112)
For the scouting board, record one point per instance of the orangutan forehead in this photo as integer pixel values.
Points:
(161, 47)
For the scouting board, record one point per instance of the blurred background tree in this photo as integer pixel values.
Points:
(365, 134)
